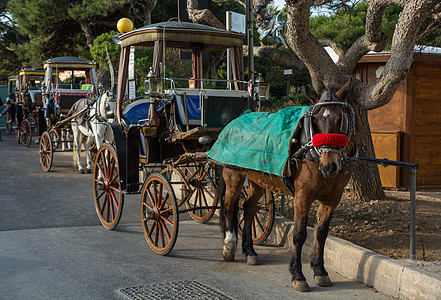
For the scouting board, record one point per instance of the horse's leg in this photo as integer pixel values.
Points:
(302, 205)
(77, 146)
(249, 210)
(324, 214)
(89, 141)
(233, 186)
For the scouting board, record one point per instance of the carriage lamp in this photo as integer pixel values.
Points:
(153, 85)
(262, 87)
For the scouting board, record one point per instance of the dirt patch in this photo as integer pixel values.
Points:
(383, 225)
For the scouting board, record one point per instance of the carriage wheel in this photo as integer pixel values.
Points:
(93, 151)
(25, 133)
(109, 199)
(8, 124)
(46, 152)
(200, 189)
(263, 219)
(159, 212)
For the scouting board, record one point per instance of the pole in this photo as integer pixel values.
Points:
(249, 15)
(287, 88)
(412, 212)
(228, 15)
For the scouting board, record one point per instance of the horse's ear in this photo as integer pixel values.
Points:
(343, 92)
(311, 94)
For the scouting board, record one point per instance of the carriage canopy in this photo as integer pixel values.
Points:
(194, 38)
(70, 73)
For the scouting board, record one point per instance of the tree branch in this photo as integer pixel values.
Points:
(411, 18)
(322, 69)
(278, 57)
(204, 16)
(335, 46)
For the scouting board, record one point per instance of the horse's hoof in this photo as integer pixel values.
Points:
(81, 171)
(88, 171)
(228, 255)
(300, 286)
(253, 260)
(322, 281)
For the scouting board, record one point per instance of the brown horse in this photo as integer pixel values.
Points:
(319, 171)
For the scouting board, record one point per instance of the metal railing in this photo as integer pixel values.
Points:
(412, 169)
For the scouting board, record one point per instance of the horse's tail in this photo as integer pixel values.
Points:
(220, 193)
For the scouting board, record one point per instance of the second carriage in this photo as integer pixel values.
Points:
(66, 80)
(161, 135)
(24, 94)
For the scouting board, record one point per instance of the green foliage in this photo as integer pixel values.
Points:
(347, 25)
(344, 27)
(98, 50)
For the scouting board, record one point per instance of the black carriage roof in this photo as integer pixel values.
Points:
(69, 62)
(182, 35)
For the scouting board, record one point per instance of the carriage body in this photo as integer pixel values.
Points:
(161, 134)
(192, 111)
(66, 80)
(26, 90)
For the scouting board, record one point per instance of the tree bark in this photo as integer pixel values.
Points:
(148, 7)
(88, 33)
(204, 16)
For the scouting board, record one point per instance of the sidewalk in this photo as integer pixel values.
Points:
(404, 279)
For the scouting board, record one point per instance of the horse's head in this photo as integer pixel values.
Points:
(332, 125)
(107, 107)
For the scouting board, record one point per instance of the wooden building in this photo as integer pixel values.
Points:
(408, 128)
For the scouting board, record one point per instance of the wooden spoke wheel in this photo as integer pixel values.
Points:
(263, 220)
(8, 124)
(46, 152)
(25, 133)
(200, 191)
(93, 151)
(159, 212)
(109, 198)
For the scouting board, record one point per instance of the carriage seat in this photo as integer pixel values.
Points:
(220, 106)
(137, 112)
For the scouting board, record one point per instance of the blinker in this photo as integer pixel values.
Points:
(344, 126)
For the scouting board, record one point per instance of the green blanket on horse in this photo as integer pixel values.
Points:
(259, 140)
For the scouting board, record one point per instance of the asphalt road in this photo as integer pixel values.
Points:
(52, 246)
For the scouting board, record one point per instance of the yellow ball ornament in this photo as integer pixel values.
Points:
(124, 25)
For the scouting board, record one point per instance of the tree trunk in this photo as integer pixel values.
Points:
(365, 183)
(87, 33)
(148, 7)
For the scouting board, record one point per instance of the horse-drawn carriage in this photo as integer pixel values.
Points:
(165, 131)
(66, 80)
(29, 105)
(24, 92)
(10, 115)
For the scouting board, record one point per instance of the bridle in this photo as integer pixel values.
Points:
(315, 144)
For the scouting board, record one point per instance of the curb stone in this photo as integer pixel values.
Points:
(404, 279)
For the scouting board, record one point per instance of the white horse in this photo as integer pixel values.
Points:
(93, 124)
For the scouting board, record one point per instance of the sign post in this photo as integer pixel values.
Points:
(288, 74)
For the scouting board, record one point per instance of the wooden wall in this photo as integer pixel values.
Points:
(411, 121)
(426, 123)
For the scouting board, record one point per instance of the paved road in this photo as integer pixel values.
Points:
(52, 247)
